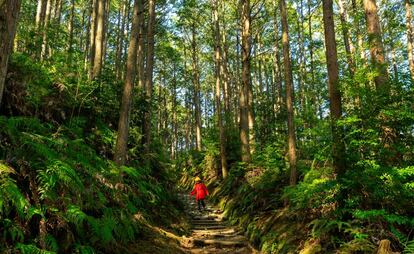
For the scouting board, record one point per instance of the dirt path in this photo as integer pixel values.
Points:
(211, 234)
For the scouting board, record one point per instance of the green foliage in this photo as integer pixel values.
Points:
(77, 192)
(11, 197)
(409, 247)
(31, 249)
(81, 249)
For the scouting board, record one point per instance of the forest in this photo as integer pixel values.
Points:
(298, 116)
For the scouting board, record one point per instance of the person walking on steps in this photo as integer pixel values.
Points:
(200, 191)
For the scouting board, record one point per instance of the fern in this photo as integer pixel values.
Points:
(51, 243)
(31, 249)
(324, 226)
(81, 249)
(382, 214)
(32, 211)
(9, 192)
(409, 247)
(15, 124)
(13, 230)
(75, 215)
(357, 246)
(102, 229)
(58, 172)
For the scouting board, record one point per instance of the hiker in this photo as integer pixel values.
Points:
(200, 191)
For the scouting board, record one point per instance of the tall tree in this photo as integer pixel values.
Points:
(71, 29)
(356, 6)
(218, 64)
(289, 93)
(246, 81)
(174, 136)
(376, 46)
(40, 13)
(46, 23)
(149, 72)
(58, 9)
(409, 37)
(119, 38)
(141, 56)
(227, 90)
(345, 33)
(278, 101)
(92, 36)
(9, 11)
(123, 123)
(338, 147)
(99, 31)
(196, 84)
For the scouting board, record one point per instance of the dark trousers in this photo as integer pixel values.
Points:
(201, 202)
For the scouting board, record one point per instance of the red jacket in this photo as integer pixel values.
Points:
(200, 190)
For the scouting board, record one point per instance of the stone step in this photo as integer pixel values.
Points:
(208, 222)
(218, 232)
(207, 217)
(211, 235)
(208, 227)
(213, 250)
(219, 243)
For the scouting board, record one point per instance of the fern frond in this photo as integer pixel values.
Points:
(13, 230)
(76, 216)
(51, 243)
(58, 172)
(409, 247)
(10, 192)
(82, 249)
(31, 249)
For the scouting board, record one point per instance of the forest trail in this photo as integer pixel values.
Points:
(210, 232)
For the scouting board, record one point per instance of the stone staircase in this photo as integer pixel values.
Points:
(210, 232)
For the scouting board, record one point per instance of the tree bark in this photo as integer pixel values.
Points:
(246, 80)
(314, 96)
(58, 10)
(218, 64)
(355, 9)
(140, 61)
(88, 38)
(105, 32)
(301, 60)
(338, 147)
(46, 21)
(227, 94)
(94, 12)
(278, 100)
(149, 75)
(196, 83)
(123, 123)
(289, 94)
(409, 37)
(9, 12)
(376, 46)
(345, 34)
(71, 18)
(119, 39)
(174, 124)
(99, 39)
(40, 13)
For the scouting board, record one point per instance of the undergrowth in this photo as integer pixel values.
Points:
(59, 195)
(321, 214)
(60, 192)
